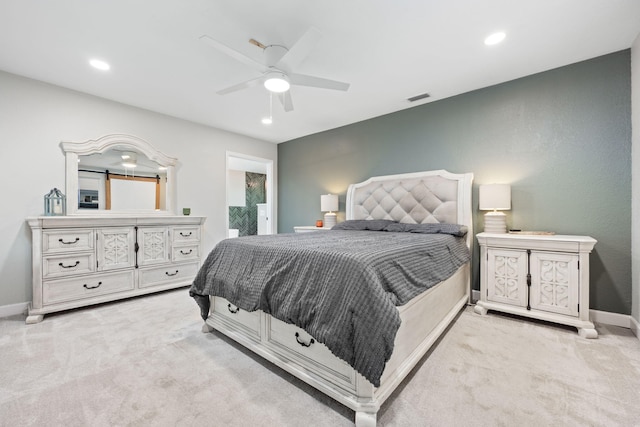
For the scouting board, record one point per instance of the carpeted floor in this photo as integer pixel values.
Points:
(145, 362)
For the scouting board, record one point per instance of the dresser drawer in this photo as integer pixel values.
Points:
(185, 235)
(172, 273)
(247, 322)
(55, 291)
(68, 265)
(298, 345)
(67, 240)
(186, 253)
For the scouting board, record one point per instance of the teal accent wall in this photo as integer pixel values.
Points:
(561, 138)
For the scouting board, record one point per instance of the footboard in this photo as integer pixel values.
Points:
(292, 349)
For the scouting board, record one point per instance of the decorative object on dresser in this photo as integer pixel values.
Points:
(411, 202)
(541, 276)
(84, 260)
(55, 203)
(329, 203)
(494, 198)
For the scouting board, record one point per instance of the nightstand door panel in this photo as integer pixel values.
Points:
(507, 276)
(554, 282)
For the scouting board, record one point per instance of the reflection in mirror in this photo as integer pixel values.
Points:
(120, 179)
(118, 174)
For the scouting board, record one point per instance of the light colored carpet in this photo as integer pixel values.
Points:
(145, 361)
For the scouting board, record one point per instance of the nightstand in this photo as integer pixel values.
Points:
(544, 277)
(308, 228)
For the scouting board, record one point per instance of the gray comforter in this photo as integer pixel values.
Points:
(342, 287)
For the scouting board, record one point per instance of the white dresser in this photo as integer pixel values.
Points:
(83, 260)
(544, 277)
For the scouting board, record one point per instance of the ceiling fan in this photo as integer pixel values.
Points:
(277, 75)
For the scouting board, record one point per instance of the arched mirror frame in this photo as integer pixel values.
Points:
(74, 149)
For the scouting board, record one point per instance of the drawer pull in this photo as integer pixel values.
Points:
(92, 287)
(69, 266)
(186, 235)
(171, 274)
(302, 343)
(232, 310)
(69, 243)
(186, 253)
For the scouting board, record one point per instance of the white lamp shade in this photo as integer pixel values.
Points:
(328, 202)
(495, 197)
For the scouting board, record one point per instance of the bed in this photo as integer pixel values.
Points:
(285, 324)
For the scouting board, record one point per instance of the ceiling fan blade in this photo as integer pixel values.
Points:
(299, 51)
(233, 53)
(240, 86)
(305, 80)
(287, 102)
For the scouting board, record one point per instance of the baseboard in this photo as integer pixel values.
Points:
(635, 327)
(605, 317)
(608, 318)
(13, 309)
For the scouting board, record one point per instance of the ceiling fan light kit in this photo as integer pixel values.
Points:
(277, 82)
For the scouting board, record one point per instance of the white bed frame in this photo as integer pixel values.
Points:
(434, 196)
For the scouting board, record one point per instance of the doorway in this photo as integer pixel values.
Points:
(249, 195)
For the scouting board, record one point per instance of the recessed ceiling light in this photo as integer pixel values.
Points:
(494, 38)
(99, 64)
(267, 121)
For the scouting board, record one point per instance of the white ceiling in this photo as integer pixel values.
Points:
(388, 51)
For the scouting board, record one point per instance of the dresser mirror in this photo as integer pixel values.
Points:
(118, 174)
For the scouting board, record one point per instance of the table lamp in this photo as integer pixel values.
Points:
(494, 198)
(329, 203)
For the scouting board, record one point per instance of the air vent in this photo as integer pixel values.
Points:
(418, 97)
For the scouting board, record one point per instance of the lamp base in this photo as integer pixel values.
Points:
(495, 222)
(329, 219)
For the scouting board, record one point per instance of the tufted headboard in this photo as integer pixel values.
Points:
(421, 197)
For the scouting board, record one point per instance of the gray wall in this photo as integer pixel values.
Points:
(562, 138)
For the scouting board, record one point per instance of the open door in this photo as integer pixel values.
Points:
(249, 195)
